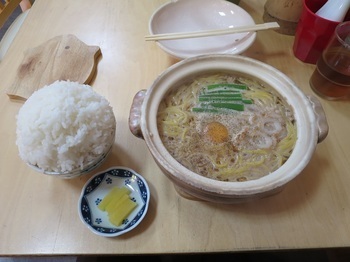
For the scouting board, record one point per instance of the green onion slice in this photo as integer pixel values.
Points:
(236, 86)
(204, 109)
(237, 107)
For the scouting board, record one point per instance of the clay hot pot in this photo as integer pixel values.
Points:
(311, 123)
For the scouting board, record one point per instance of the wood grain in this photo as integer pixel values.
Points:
(61, 58)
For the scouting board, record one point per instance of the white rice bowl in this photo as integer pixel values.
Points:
(65, 127)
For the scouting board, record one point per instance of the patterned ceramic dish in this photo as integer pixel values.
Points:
(95, 190)
(200, 15)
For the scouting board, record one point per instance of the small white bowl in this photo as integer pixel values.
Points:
(199, 15)
(97, 188)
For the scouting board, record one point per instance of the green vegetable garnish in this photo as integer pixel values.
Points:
(237, 107)
(225, 91)
(247, 101)
(203, 109)
(236, 86)
(222, 96)
(218, 98)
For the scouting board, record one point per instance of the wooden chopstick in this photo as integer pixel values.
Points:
(241, 29)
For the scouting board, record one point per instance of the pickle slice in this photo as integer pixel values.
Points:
(113, 195)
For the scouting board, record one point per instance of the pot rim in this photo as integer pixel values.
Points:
(303, 113)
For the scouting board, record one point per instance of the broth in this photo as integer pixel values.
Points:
(227, 127)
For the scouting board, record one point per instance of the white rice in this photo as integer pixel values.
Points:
(64, 126)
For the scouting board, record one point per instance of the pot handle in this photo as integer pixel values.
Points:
(321, 119)
(135, 114)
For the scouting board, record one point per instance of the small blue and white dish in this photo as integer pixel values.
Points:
(98, 187)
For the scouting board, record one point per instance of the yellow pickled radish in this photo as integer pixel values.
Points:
(124, 209)
(117, 204)
(112, 206)
(122, 191)
(113, 194)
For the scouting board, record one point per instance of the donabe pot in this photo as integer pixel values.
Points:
(311, 123)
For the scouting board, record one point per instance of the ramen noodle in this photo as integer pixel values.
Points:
(227, 127)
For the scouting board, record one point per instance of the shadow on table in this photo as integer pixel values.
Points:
(310, 255)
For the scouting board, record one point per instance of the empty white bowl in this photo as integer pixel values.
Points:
(198, 15)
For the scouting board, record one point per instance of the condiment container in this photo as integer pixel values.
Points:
(334, 10)
(285, 12)
(313, 32)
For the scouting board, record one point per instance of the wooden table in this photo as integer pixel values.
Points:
(39, 213)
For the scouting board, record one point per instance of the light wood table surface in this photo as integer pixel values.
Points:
(38, 213)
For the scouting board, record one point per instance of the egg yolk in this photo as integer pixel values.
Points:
(216, 132)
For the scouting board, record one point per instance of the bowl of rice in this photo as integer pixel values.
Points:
(65, 129)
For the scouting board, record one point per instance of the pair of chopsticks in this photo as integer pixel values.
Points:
(251, 28)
